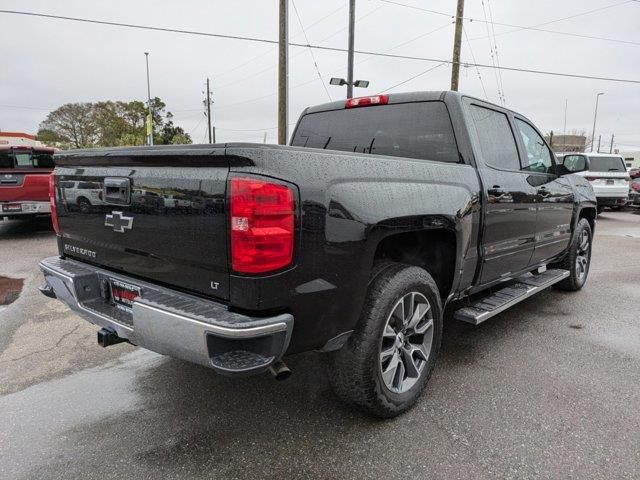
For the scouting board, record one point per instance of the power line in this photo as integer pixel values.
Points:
(412, 78)
(319, 47)
(495, 49)
(313, 57)
(250, 100)
(492, 55)
(575, 15)
(193, 131)
(252, 59)
(435, 12)
(523, 27)
(464, 31)
(24, 107)
(272, 67)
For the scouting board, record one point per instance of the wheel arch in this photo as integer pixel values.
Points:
(588, 213)
(435, 250)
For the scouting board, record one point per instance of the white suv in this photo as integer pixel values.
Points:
(607, 174)
(83, 194)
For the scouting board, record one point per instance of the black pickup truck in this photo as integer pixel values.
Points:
(353, 240)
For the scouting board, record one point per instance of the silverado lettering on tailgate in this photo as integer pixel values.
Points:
(79, 251)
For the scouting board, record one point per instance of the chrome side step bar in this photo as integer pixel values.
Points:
(514, 293)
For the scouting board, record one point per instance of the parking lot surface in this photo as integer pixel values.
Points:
(548, 389)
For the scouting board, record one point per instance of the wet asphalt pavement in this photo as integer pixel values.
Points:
(548, 389)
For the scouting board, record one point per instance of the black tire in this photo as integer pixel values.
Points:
(84, 204)
(577, 276)
(355, 371)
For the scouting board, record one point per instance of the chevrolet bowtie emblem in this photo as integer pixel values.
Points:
(118, 222)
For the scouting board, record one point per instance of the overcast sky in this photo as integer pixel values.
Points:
(47, 62)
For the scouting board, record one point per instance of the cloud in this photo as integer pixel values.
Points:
(51, 62)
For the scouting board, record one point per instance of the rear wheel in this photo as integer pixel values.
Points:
(385, 365)
(84, 204)
(578, 259)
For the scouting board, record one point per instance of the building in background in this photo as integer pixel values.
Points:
(631, 159)
(19, 139)
(567, 143)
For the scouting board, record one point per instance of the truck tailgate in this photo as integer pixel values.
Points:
(17, 185)
(158, 217)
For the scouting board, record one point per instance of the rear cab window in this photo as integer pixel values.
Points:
(606, 164)
(24, 159)
(420, 130)
(496, 140)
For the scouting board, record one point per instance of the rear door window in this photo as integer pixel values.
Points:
(497, 143)
(606, 164)
(414, 130)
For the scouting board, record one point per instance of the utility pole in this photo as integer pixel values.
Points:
(283, 72)
(599, 138)
(457, 41)
(611, 146)
(595, 116)
(208, 102)
(352, 36)
(149, 121)
(564, 130)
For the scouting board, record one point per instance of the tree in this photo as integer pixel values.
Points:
(108, 124)
(171, 133)
(72, 123)
(49, 137)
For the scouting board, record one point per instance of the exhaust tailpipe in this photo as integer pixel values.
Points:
(279, 370)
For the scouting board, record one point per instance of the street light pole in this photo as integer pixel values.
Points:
(352, 33)
(595, 116)
(149, 121)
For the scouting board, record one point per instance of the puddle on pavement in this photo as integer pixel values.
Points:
(43, 415)
(10, 289)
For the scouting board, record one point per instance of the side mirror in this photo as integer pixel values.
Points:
(575, 163)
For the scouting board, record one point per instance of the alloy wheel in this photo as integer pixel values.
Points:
(582, 257)
(406, 344)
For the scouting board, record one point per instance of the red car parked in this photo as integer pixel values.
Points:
(634, 192)
(24, 181)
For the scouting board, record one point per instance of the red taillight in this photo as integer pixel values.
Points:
(52, 204)
(591, 179)
(635, 186)
(366, 101)
(262, 225)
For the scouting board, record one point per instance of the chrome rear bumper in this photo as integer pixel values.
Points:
(170, 322)
(26, 209)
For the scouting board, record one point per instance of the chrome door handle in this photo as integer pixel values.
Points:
(543, 192)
